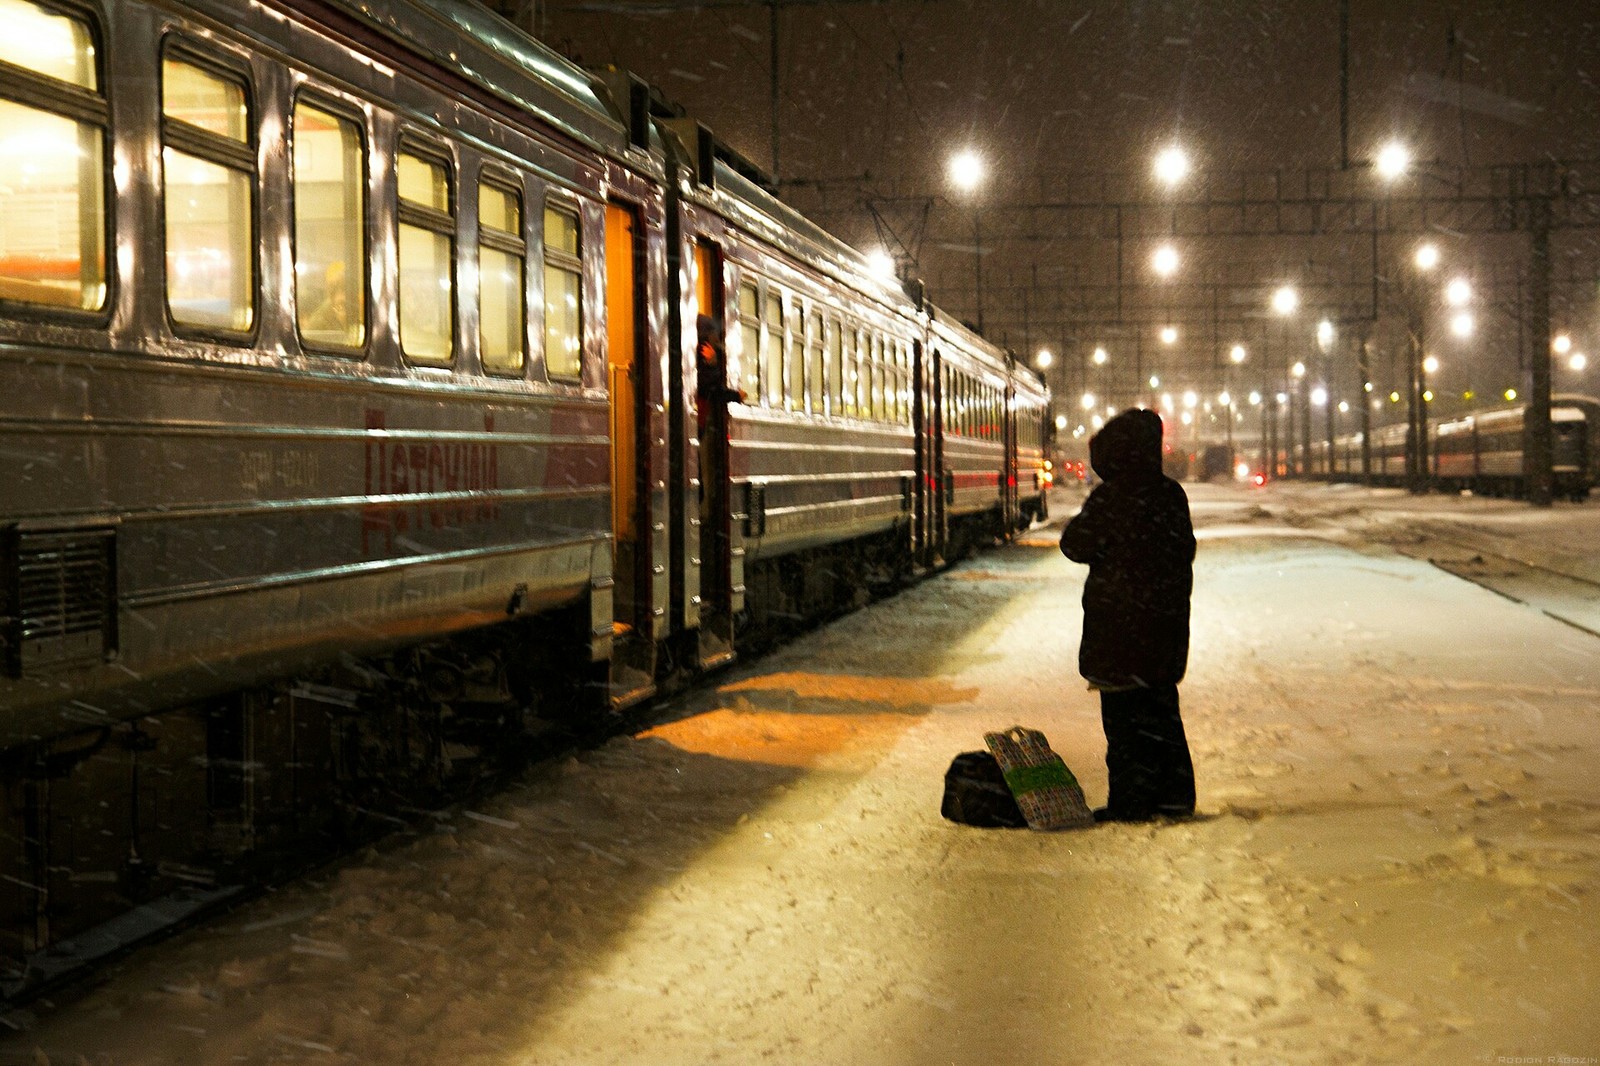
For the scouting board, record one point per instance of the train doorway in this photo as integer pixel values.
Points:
(716, 519)
(633, 646)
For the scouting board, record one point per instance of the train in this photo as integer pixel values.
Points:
(348, 399)
(1484, 452)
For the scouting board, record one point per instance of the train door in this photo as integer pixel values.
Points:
(938, 476)
(633, 649)
(1010, 468)
(716, 519)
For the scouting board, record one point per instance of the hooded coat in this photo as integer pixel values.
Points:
(1135, 534)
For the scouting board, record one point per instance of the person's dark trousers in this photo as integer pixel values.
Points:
(1147, 754)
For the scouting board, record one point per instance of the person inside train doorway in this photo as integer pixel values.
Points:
(1135, 533)
(712, 396)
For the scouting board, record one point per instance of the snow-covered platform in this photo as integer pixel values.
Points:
(1397, 858)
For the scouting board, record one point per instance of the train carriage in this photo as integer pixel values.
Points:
(971, 459)
(347, 380)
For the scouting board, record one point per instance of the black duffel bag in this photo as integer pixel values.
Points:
(976, 793)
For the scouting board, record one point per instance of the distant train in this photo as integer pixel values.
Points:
(348, 398)
(1484, 452)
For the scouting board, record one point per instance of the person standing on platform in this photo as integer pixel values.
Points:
(1135, 534)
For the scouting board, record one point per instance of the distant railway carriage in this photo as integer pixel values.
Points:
(347, 389)
(1483, 452)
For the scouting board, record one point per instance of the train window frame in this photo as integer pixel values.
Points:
(90, 108)
(313, 97)
(750, 337)
(514, 244)
(816, 358)
(794, 358)
(181, 137)
(569, 263)
(772, 334)
(429, 219)
(835, 360)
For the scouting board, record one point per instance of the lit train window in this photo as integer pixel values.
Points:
(772, 350)
(814, 350)
(501, 252)
(835, 366)
(427, 259)
(330, 229)
(563, 293)
(880, 356)
(855, 382)
(53, 118)
(750, 340)
(794, 362)
(209, 176)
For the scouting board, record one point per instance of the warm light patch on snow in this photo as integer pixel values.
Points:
(779, 738)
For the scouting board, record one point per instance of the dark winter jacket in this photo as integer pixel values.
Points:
(1135, 534)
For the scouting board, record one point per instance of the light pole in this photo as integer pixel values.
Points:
(1325, 337)
(1426, 259)
(967, 172)
(1285, 301)
(1236, 357)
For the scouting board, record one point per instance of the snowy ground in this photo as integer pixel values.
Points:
(1398, 858)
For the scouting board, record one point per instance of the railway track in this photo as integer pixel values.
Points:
(1565, 597)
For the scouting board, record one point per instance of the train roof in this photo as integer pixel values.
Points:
(466, 37)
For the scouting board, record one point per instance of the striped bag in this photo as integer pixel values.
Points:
(1050, 797)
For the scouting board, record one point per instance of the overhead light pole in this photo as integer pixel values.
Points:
(967, 172)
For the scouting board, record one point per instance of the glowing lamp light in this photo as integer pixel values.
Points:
(1431, 364)
(1165, 260)
(1100, 357)
(1578, 362)
(1427, 395)
(1510, 394)
(1394, 397)
(1259, 480)
(966, 170)
(1285, 300)
(1044, 358)
(1427, 257)
(1236, 353)
(1298, 370)
(1344, 407)
(1461, 324)
(1319, 396)
(1242, 470)
(1155, 382)
(1187, 418)
(1089, 401)
(1171, 165)
(1458, 292)
(1394, 159)
(881, 263)
(1324, 333)
(1562, 344)
(1169, 335)
(1190, 399)
(1255, 399)
(1061, 421)
(1225, 399)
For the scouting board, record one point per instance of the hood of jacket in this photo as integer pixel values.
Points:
(1128, 446)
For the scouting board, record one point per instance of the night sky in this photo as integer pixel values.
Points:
(875, 98)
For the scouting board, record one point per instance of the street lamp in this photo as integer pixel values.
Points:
(967, 172)
(1285, 300)
(1044, 359)
(1562, 344)
(1171, 165)
(1164, 261)
(1427, 256)
(1394, 159)
(1169, 335)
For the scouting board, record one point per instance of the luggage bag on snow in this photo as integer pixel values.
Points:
(976, 793)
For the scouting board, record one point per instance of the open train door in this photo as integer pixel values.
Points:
(633, 643)
(716, 519)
